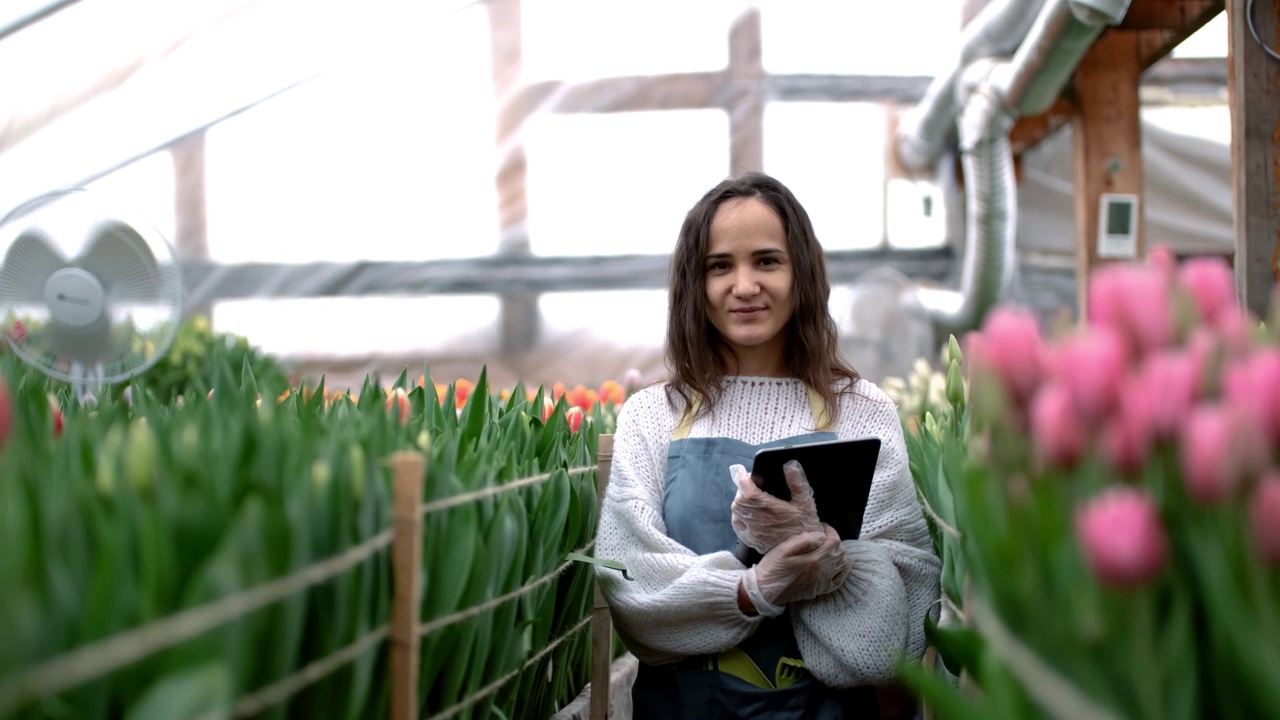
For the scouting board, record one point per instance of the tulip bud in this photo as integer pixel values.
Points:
(140, 458)
(56, 410)
(631, 380)
(461, 391)
(128, 396)
(1210, 461)
(1264, 518)
(398, 400)
(1060, 434)
(1092, 366)
(320, 474)
(1212, 285)
(104, 470)
(358, 469)
(953, 350)
(575, 418)
(548, 407)
(1121, 537)
(6, 414)
(955, 386)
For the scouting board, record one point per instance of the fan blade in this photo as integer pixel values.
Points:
(30, 260)
(123, 262)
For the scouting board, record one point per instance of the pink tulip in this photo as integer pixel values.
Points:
(1254, 387)
(1059, 432)
(1235, 333)
(1163, 260)
(1121, 537)
(1211, 463)
(1010, 345)
(1168, 381)
(1128, 435)
(631, 380)
(1092, 366)
(1212, 285)
(1133, 300)
(1264, 518)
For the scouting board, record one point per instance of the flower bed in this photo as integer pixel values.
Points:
(1107, 506)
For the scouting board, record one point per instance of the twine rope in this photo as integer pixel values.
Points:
(496, 685)
(471, 612)
(281, 690)
(105, 656)
(463, 499)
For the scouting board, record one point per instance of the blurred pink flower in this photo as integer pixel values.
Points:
(1121, 536)
(1211, 463)
(1059, 432)
(1163, 260)
(1235, 332)
(1133, 300)
(1254, 386)
(1092, 366)
(1128, 435)
(631, 380)
(1168, 382)
(1010, 344)
(1212, 285)
(1264, 518)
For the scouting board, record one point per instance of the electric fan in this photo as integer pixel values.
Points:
(87, 294)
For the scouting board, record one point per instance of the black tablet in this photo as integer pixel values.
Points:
(840, 473)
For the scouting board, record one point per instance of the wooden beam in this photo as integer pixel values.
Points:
(209, 281)
(191, 226)
(746, 91)
(1255, 153)
(1107, 138)
(1156, 43)
(520, 316)
(1166, 14)
(1031, 130)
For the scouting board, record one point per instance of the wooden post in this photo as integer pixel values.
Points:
(601, 622)
(1107, 135)
(191, 226)
(408, 470)
(746, 93)
(1254, 87)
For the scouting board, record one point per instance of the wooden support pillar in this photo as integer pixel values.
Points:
(519, 311)
(1107, 140)
(1254, 87)
(746, 105)
(191, 225)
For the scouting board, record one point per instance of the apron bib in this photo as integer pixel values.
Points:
(763, 677)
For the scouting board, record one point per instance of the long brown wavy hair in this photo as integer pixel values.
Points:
(695, 351)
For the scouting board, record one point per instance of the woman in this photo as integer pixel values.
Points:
(807, 631)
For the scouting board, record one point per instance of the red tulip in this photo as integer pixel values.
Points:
(56, 409)
(399, 400)
(1122, 538)
(575, 418)
(461, 391)
(1264, 518)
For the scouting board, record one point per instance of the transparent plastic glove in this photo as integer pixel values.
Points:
(761, 520)
(799, 568)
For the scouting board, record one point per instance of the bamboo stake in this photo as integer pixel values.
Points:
(601, 622)
(408, 470)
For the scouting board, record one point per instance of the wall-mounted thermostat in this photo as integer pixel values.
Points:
(1118, 226)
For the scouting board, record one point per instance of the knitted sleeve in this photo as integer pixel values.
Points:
(680, 603)
(856, 635)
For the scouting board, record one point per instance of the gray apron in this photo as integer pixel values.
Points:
(774, 685)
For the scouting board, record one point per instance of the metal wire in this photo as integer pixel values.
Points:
(1257, 36)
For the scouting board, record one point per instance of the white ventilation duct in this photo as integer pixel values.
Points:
(988, 93)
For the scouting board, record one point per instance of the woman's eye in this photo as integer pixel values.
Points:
(719, 266)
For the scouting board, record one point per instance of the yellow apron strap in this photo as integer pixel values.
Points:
(818, 408)
(686, 419)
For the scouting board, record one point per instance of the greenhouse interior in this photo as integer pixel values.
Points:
(440, 359)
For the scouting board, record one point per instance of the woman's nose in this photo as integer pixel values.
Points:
(745, 283)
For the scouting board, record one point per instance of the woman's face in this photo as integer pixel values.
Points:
(749, 279)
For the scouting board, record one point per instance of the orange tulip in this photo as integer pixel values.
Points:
(399, 399)
(462, 390)
(557, 391)
(612, 392)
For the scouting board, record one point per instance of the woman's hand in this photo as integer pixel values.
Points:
(800, 568)
(763, 521)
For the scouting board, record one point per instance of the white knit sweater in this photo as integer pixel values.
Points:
(683, 604)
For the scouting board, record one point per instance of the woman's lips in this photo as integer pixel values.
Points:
(747, 313)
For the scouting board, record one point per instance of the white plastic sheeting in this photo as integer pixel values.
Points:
(368, 131)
